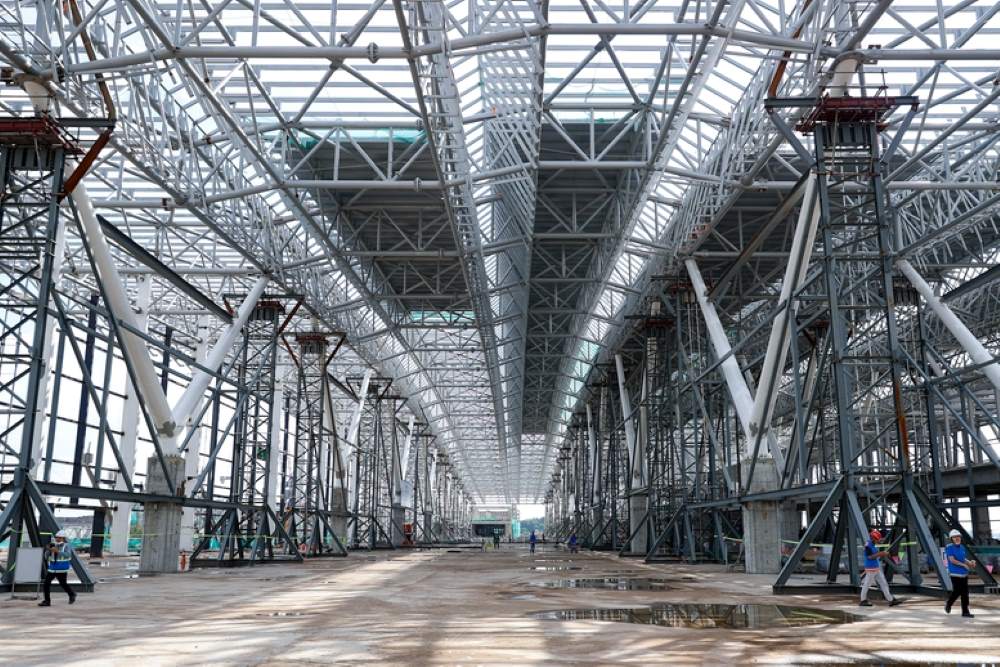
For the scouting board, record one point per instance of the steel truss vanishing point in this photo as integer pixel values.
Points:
(596, 267)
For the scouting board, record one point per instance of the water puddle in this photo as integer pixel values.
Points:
(555, 568)
(728, 616)
(608, 583)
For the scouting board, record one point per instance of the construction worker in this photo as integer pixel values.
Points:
(959, 567)
(57, 556)
(532, 540)
(873, 571)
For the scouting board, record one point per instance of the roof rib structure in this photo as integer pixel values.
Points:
(481, 195)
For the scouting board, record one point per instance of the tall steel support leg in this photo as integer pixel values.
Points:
(31, 182)
(250, 531)
(876, 414)
(306, 510)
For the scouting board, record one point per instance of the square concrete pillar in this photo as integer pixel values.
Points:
(339, 515)
(638, 502)
(161, 539)
(766, 524)
(396, 530)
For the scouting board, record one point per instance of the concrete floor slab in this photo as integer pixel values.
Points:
(469, 608)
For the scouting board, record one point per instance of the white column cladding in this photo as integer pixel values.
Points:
(194, 393)
(192, 456)
(398, 474)
(594, 455)
(274, 463)
(339, 508)
(121, 518)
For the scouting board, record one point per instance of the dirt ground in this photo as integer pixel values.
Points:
(437, 607)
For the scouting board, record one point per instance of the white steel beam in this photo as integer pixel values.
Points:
(975, 349)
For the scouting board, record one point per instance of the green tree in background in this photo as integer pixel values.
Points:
(528, 525)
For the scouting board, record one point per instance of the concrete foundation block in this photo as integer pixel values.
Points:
(638, 504)
(161, 541)
(396, 530)
(766, 524)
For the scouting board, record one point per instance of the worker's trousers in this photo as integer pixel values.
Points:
(879, 578)
(959, 589)
(61, 578)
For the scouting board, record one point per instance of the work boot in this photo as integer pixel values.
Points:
(44, 603)
(72, 598)
(966, 614)
(947, 607)
(895, 601)
(865, 603)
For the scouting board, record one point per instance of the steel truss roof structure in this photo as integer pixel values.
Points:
(482, 195)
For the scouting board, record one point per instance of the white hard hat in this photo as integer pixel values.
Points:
(61, 533)
(954, 533)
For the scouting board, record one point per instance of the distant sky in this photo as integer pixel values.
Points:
(531, 511)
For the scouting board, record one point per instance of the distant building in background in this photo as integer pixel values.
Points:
(488, 521)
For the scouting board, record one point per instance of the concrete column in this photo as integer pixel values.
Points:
(766, 523)
(161, 541)
(121, 518)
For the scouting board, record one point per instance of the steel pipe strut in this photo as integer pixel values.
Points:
(795, 273)
(118, 304)
(195, 391)
(742, 398)
(968, 340)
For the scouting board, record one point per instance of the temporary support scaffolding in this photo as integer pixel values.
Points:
(308, 500)
(33, 160)
(376, 444)
(855, 399)
(250, 531)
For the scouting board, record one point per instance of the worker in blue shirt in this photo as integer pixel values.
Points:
(873, 571)
(959, 567)
(58, 560)
(532, 539)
